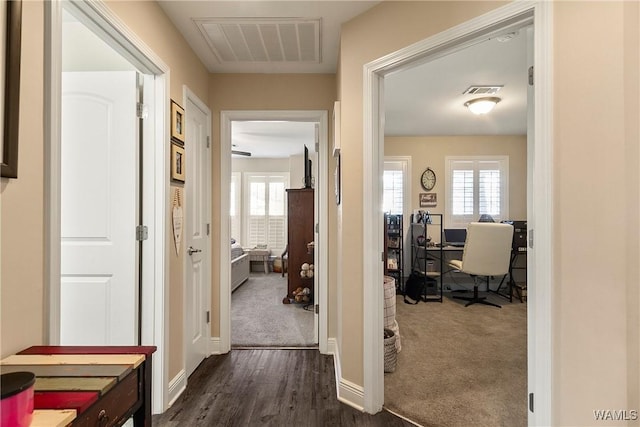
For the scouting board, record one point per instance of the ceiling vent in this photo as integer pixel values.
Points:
(262, 39)
(482, 90)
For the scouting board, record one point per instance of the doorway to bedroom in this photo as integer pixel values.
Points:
(271, 215)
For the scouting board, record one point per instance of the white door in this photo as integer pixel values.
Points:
(197, 230)
(99, 277)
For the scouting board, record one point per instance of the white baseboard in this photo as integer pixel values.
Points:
(177, 386)
(332, 346)
(214, 345)
(347, 392)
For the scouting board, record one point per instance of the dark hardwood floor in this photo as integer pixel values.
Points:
(265, 387)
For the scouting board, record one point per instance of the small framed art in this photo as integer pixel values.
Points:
(337, 180)
(177, 163)
(177, 123)
(428, 200)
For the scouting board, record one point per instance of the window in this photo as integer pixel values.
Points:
(265, 215)
(393, 191)
(476, 186)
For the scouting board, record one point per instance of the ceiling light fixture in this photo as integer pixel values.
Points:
(482, 105)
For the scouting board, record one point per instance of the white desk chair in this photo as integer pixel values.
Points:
(487, 252)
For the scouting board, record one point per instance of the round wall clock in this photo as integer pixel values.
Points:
(428, 179)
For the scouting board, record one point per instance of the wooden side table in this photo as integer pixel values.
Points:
(93, 385)
(260, 255)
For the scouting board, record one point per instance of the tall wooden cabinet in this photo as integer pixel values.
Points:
(299, 234)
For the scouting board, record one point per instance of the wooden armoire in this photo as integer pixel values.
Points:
(299, 234)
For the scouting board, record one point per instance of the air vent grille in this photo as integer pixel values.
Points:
(482, 90)
(262, 39)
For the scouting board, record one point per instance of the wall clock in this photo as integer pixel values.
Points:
(428, 179)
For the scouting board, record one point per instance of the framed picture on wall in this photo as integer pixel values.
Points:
(428, 200)
(177, 163)
(10, 46)
(177, 123)
(336, 176)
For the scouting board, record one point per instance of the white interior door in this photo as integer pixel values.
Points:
(197, 230)
(99, 199)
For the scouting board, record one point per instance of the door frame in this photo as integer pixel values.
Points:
(154, 177)
(226, 117)
(540, 320)
(189, 95)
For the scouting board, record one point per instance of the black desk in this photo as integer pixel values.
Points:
(511, 283)
(515, 254)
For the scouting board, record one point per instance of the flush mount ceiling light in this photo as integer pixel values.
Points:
(482, 105)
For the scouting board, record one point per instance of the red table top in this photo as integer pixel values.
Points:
(78, 400)
(67, 349)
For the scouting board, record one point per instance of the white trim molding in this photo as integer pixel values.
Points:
(512, 15)
(347, 392)
(226, 118)
(177, 386)
(215, 346)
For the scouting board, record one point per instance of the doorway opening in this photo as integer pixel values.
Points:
(113, 49)
(539, 196)
(272, 223)
(271, 183)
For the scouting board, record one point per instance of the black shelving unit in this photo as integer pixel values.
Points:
(424, 228)
(394, 248)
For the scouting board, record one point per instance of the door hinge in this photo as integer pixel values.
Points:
(317, 227)
(208, 229)
(142, 112)
(531, 238)
(531, 76)
(142, 233)
(317, 147)
(531, 402)
(382, 256)
(317, 309)
(208, 141)
(208, 316)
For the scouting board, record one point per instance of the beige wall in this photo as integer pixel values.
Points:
(259, 92)
(595, 299)
(24, 319)
(596, 191)
(380, 31)
(432, 150)
(22, 247)
(157, 31)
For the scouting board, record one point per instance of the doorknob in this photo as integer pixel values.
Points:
(192, 251)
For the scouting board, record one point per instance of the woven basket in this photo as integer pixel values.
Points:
(390, 352)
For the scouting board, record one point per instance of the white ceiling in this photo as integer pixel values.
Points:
(194, 18)
(424, 100)
(272, 139)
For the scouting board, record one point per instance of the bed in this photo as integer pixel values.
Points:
(239, 265)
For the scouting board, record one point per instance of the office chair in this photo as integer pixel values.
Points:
(486, 253)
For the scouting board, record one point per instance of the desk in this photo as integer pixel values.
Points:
(515, 254)
(88, 386)
(260, 255)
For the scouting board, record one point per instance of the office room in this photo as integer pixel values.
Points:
(432, 139)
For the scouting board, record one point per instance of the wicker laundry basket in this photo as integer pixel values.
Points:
(390, 309)
(390, 352)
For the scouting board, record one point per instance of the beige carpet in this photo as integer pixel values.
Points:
(461, 366)
(260, 319)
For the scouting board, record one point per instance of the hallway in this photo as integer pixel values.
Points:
(267, 388)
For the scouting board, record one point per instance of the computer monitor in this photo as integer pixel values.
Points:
(455, 236)
(519, 235)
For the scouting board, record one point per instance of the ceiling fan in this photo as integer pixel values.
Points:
(240, 153)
